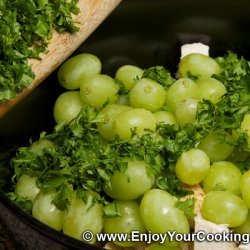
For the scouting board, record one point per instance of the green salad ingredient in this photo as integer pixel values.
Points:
(223, 207)
(26, 27)
(130, 165)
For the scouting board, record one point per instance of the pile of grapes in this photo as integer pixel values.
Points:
(134, 102)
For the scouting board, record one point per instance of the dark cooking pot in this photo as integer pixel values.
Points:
(140, 32)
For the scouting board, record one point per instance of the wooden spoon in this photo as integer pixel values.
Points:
(61, 46)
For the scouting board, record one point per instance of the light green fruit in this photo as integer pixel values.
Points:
(147, 94)
(186, 111)
(198, 65)
(98, 90)
(192, 166)
(218, 145)
(245, 187)
(132, 184)
(26, 187)
(140, 119)
(179, 91)
(128, 75)
(223, 207)
(75, 68)
(211, 89)
(223, 175)
(38, 146)
(245, 227)
(166, 117)
(83, 216)
(159, 214)
(67, 106)
(128, 220)
(110, 112)
(45, 211)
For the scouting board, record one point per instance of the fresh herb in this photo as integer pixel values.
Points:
(26, 27)
(23, 203)
(187, 206)
(82, 161)
(111, 211)
(227, 114)
(160, 75)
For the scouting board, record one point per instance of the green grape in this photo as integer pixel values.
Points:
(166, 117)
(245, 227)
(45, 211)
(198, 65)
(223, 207)
(223, 175)
(128, 220)
(141, 119)
(157, 246)
(159, 214)
(26, 187)
(132, 184)
(179, 91)
(82, 216)
(67, 106)
(128, 75)
(245, 188)
(217, 145)
(38, 146)
(97, 90)
(245, 126)
(147, 94)
(186, 111)
(75, 68)
(211, 89)
(192, 166)
(110, 112)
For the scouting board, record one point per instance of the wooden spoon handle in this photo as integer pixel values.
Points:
(61, 46)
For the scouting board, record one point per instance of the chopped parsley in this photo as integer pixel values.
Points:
(82, 161)
(25, 29)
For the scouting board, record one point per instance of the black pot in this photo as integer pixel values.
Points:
(139, 32)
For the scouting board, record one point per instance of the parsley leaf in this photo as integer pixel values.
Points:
(24, 203)
(187, 206)
(26, 27)
(160, 75)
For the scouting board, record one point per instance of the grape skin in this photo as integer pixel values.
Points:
(77, 67)
(81, 216)
(139, 119)
(192, 167)
(26, 187)
(223, 175)
(198, 65)
(129, 220)
(131, 184)
(244, 187)
(147, 94)
(223, 207)
(128, 75)
(45, 211)
(159, 214)
(67, 106)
